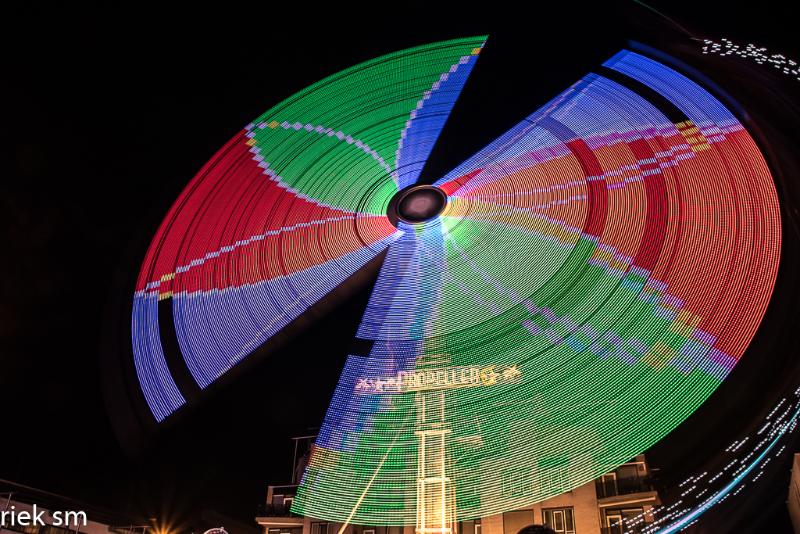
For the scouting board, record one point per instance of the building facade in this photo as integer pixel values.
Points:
(793, 499)
(621, 501)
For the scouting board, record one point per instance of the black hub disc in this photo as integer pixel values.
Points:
(417, 204)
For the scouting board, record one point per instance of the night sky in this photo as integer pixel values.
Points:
(109, 114)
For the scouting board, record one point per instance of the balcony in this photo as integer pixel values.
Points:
(279, 502)
(275, 510)
(623, 486)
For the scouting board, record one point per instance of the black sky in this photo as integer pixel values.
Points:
(110, 113)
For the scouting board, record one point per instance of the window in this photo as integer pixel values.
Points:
(561, 520)
(609, 478)
(554, 480)
(632, 478)
(607, 485)
(632, 469)
(469, 527)
(623, 519)
(614, 522)
(281, 504)
(516, 482)
(319, 528)
(629, 471)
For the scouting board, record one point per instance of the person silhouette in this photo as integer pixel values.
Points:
(537, 529)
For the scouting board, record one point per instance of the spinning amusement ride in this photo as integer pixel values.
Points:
(547, 310)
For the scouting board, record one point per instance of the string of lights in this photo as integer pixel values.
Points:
(748, 457)
(759, 54)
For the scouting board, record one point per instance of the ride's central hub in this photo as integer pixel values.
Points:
(417, 204)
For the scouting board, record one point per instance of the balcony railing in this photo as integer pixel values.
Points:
(275, 510)
(623, 486)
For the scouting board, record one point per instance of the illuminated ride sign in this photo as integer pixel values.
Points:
(433, 379)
